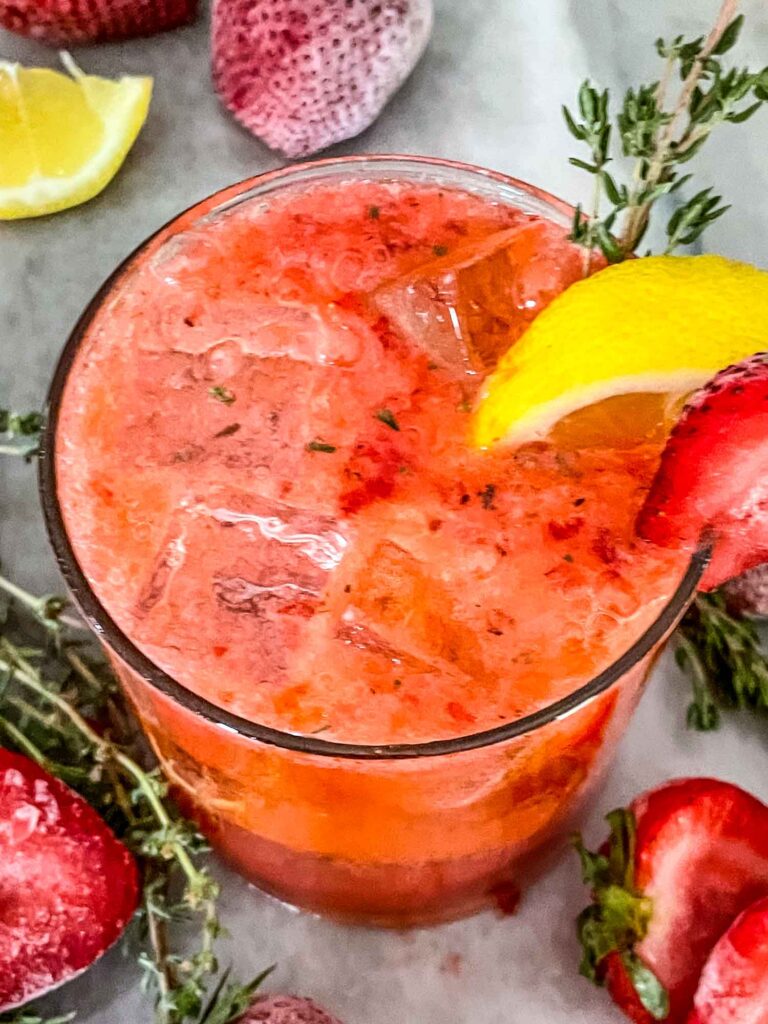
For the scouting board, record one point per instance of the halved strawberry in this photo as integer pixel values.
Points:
(62, 22)
(733, 988)
(712, 483)
(680, 864)
(286, 1010)
(68, 887)
(303, 74)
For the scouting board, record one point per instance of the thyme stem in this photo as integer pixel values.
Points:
(51, 719)
(639, 212)
(659, 135)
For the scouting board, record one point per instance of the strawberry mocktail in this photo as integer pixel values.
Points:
(271, 501)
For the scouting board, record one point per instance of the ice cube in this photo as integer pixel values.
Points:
(234, 583)
(252, 326)
(467, 307)
(315, 537)
(363, 638)
(396, 598)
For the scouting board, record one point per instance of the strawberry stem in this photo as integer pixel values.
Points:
(618, 917)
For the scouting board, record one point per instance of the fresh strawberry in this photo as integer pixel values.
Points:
(733, 988)
(680, 864)
(302, 74)
(712, 484)
(64, 22)
(286, 1010)
(67, 886)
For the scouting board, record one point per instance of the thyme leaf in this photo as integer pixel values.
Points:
(20, 433)
(222, 394)
(387, 417)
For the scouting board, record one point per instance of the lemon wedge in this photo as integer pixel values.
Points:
(656, 326)
(63, 137)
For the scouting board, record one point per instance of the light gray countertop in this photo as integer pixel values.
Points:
(488, 91)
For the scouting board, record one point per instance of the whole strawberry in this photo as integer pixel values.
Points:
(304, 74)
(63, 22)
(286, 1010)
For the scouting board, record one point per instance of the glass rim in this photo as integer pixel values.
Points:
(102, 623)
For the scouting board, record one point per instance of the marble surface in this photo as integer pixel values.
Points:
(488, 91)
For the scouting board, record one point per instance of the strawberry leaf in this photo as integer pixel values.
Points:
(619, 914)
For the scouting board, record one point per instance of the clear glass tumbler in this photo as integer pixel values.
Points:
(394, 835)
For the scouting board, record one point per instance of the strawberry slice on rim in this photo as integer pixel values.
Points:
(734, 983)
(68, 887)
(680, 865)
(712, 483)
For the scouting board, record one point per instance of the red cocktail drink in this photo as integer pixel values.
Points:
(359, 644)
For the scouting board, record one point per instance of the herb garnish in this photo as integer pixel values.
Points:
(440, 250)
(619, 915)
(62, 707)
(660, 135)
(222, 394)
(722, 654)
(374, 212)
(21, 432)
(387, 416)
(228, 431)
(321, 446)
(487, 495)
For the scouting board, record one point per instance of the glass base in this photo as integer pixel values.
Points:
(384, 895)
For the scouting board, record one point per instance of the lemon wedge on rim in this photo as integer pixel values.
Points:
(63, 137)
(632, 339)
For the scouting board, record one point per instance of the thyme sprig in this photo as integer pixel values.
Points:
(20, 432)
(60, 705)
(660, 135)
(721, 653)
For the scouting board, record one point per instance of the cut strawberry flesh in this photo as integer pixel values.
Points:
(712, 483)
(68, 887)
(702, 858)
(734, 983)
